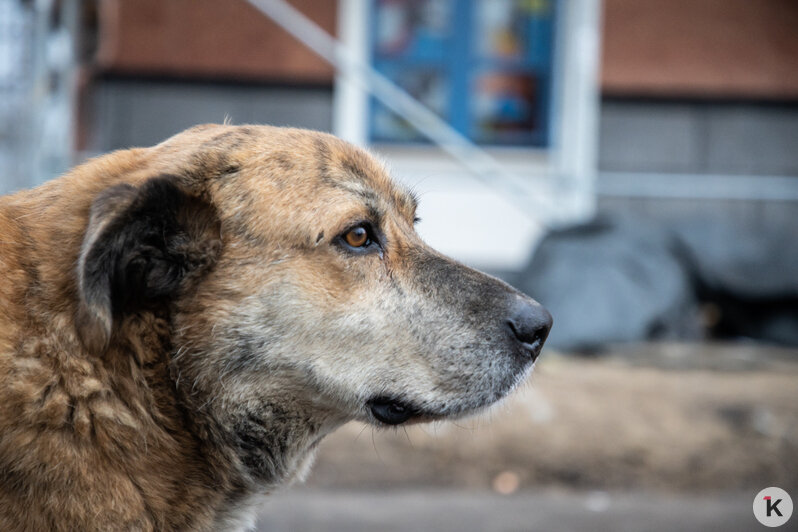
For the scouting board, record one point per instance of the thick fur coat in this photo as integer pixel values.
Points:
(181, 325)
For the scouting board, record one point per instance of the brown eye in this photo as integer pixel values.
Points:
(357, 237)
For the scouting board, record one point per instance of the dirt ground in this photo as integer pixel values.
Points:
(663, 417)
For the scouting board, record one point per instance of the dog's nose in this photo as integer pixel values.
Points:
(530, 324)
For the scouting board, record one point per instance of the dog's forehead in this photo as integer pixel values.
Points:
(345, 167)
(318, 166)
(293, 180)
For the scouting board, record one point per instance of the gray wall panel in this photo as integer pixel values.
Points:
(126, 113)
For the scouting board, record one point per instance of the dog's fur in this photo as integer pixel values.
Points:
(181, 325)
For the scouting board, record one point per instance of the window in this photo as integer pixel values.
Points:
(485, 66)
(516, 77)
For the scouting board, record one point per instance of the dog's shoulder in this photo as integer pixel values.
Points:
(84, 437)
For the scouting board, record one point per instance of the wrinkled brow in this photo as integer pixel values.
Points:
(405, 202)
(363, 175)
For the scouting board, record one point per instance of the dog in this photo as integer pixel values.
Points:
(181, 325)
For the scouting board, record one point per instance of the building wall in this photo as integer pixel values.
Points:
(692, 87)
(742, 138)
(215, 39)
(699, 137)
(653, 48)
(701, 48)
(700, 112)
(129, 112)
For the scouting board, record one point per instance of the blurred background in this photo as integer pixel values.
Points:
(632, 164)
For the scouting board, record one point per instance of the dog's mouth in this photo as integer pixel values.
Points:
(392, 411)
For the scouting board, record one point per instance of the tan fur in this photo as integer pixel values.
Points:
(173, 415)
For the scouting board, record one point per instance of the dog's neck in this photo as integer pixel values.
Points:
(263, 447)
(268, 444)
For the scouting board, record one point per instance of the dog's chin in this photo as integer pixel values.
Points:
(387, 410)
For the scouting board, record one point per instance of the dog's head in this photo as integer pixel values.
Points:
(291, 267)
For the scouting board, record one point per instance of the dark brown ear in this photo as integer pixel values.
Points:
(142, 247)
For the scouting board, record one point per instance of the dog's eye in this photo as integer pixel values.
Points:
(357, 237)
(360, 239)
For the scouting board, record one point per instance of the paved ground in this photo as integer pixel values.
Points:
(453, 511)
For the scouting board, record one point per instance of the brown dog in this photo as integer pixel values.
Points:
(181, 325)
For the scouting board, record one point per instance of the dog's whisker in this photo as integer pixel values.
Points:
(359, 433)
(407, 436)
(374, 445)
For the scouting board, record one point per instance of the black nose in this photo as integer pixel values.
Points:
(530, 324)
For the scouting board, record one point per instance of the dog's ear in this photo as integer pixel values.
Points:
(143, 245)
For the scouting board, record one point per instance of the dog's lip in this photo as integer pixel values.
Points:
(392, 411)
